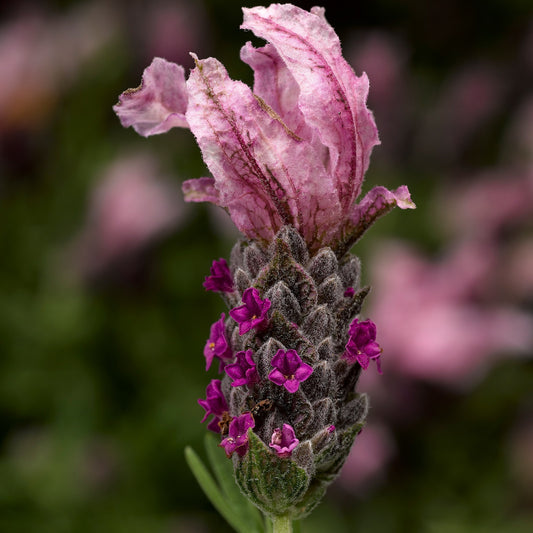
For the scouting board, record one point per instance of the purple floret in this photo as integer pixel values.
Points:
(217, 345)
(253, 312)
(362, 346)
(284, 441)
(237, 439)
(289, 370)
(244, 370)
(214, 404)
(220, 278)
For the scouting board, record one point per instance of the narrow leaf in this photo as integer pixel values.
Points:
(212, 491)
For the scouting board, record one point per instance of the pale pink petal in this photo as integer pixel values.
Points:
(159, 103)
(275, 84)
(332, 98)
(200, 190)
(376, 203)
(266, 175)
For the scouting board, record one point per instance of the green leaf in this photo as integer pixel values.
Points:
(223, 470)
(213, 492)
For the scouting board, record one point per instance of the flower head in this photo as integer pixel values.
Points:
(289, 370)
(217, 345)
(284, 441)
(253, 312)
(220, 279)
(244, 371)
(237, 439)
(214, 404)
(276, 155)
(362, 346)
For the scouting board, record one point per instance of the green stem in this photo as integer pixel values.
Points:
(281, 524)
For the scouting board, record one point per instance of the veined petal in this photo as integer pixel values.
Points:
(266, 175)
(159, 103)
(332, 98)
(200, 190)
(376, 203)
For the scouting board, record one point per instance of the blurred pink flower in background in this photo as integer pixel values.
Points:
(385, 60)
(435, 323)
(366, 461)
(170, 29)
(132, 206)
(469, 101)
(488, 202)
(40, 55)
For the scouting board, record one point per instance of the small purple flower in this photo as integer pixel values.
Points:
(362, 346)
(252, 314)
(244, 371)
(214, 404)
(237, 439)
(284, 441)
(217, 345)
(220, 279)
(349, 292)
(289, 370)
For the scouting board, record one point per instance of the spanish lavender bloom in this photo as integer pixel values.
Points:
(237, 439)
(290, 162)
(287, 163)
(253, 312)
(214, 404)
(217, 345)
(284, 441)
(362, 346)
(289, 370)
(244, 371)
(220, 279)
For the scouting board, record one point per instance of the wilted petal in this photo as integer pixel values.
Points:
(159, 103)
(200, 190)
(266, 175)
(332, 98)
(376, 203)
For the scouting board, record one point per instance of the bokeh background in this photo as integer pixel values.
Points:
(103, 317)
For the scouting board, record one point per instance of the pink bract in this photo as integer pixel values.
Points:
(292, 152)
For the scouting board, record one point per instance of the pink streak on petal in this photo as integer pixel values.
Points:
(159, 103)
(329, 88)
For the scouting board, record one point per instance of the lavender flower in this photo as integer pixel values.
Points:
(217, 345)
(289, 370)
(237, 440)
(220, 279)
(253, 312)
(214, 404)
(284, 441)
(244, 371)
(287, 161)
(362, 346)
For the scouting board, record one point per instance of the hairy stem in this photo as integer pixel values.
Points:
(281, 524)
